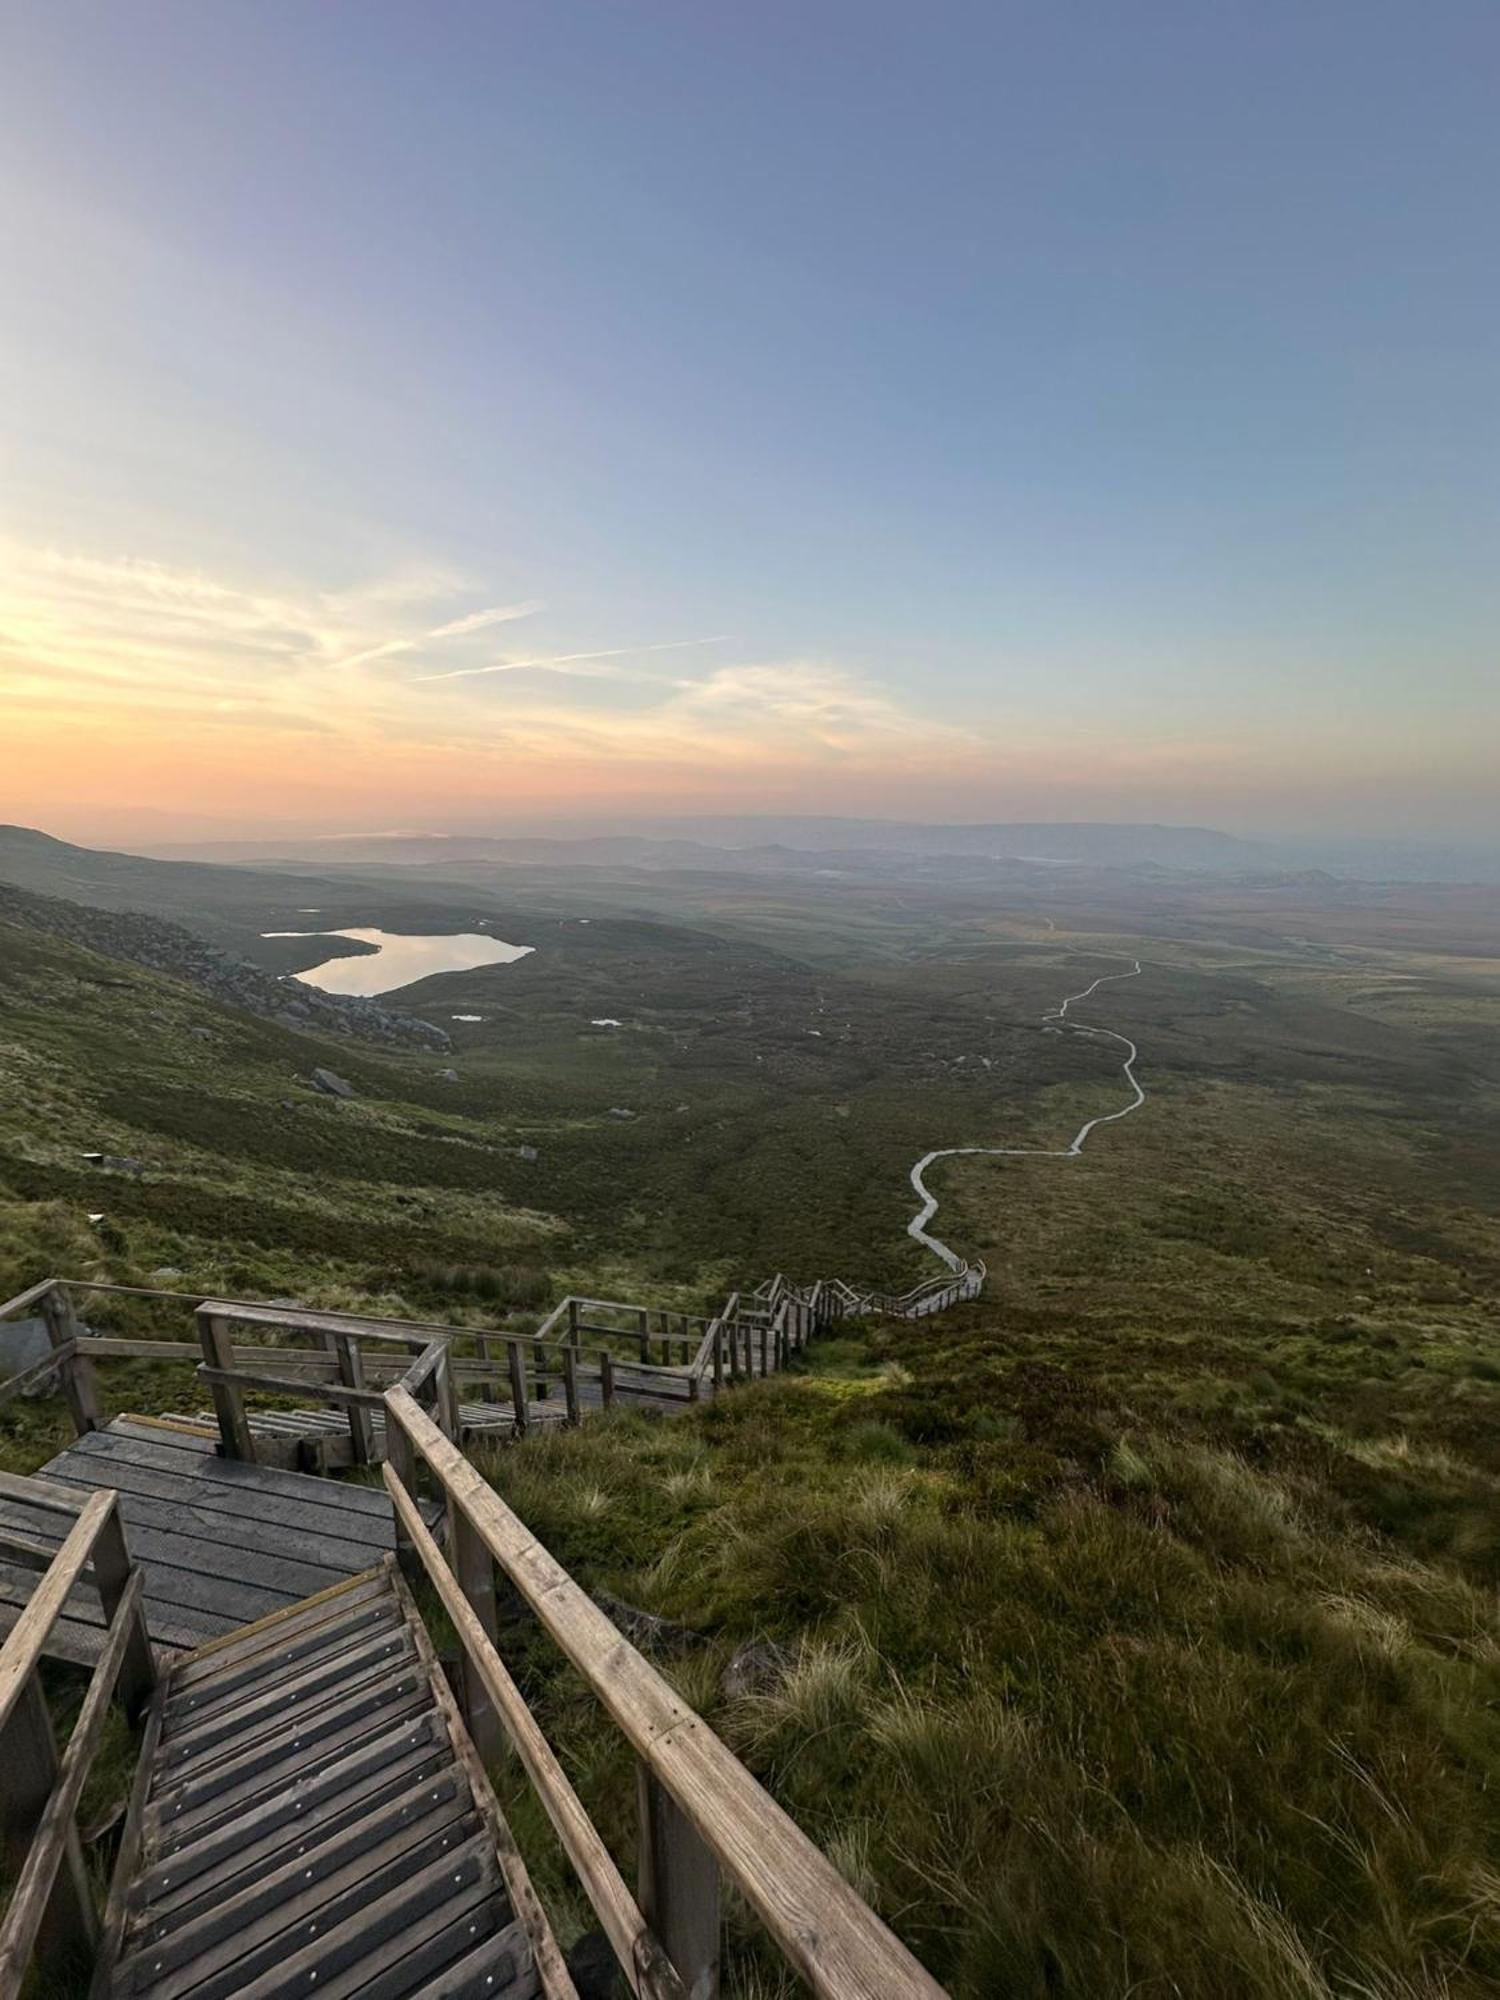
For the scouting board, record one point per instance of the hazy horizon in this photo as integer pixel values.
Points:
(434, 418)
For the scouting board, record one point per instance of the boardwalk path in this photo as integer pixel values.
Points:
(1057, 1018)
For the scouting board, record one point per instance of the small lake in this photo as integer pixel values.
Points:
(398, 961)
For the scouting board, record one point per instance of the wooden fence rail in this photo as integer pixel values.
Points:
(702, 1815)
(51, 1916)
(589, 1352)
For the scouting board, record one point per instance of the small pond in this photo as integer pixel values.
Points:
(398, 961)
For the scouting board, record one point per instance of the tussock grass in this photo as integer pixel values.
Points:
(1168, 1722)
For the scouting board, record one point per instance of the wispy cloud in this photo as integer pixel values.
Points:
(455, 628)
(283, 692)
(562, 662)
(480, 621)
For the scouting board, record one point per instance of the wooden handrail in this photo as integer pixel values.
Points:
(647, 1967)
(830, 1937)
(58, 1824)
(31, 1631)
(33, 1295)
(40, 1795)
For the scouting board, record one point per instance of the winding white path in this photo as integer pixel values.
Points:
(917, 1227)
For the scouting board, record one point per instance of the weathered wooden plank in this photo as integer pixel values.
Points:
(411, 1334)
(28, 1637)
(228, 1396)
(480, 1973)
(212, 1572)
(196, 1925)
(345, 1555)
(199, 1438)
(227, 1487)
(50, 1364)
(226, 1795)
(211, 1511)
(106, 1347)
(33, 1550)
(407, 1755)
(300, 1691)
(830, 1936)
(340, 1961)
(36, 1490)
(115, 1578)
(240, 1939)
(206, 1700)
(193, 1928)
(213, 1670)
(57, 1830)
(71, 1639)
(28, 1757)
(293, 1567)
(220, 1378)
(130, 1435)
(431, 1946)
(638, 1952)
(24, 1301)
(127, 1857)
(554, 1977)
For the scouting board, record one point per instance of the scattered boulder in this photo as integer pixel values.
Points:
(331, 1083)
(644, 1628)
(619, 1111)
(447, 1076)
(166, 1271)
(527, 1153)
(116, 1163)
(755, 1669)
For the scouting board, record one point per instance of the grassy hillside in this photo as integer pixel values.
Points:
(1132, 1631)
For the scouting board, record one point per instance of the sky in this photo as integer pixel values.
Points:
(455, 416)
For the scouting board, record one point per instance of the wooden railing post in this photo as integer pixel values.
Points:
(519, 1404)
(606, 1377)
(446, 1395)
(218, 1351)
(570, 1381)
(345, 1349)
(137, 1677)
(474, 1567)
(677, 1887)
(79, 1385)
(402, 1460)
(643, 1329)
(765, 1341)
(718, 1356)
(28, 1757)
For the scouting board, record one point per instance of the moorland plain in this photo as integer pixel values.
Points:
(1136, 1624)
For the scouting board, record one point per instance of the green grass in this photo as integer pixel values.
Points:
(1084, 1703)
(1141, 1618)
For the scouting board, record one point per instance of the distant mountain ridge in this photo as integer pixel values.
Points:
(678, 843)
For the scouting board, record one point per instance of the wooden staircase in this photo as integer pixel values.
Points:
(311, 1817)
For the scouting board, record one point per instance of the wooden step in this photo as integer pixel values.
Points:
(315, 1821)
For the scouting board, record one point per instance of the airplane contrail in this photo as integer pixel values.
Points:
(568, 659)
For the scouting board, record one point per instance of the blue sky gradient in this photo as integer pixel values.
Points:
(1037, 410)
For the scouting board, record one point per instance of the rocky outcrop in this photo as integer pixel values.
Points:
(159, 946)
